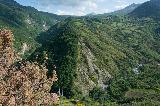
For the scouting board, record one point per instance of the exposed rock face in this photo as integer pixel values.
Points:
(90, 73)
(25, 48)
(22, 83)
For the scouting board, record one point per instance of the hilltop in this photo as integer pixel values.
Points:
(148, 9)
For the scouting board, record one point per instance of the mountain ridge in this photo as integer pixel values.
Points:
(148, 9)
(91, 53)
(26, 23)
(123, 11)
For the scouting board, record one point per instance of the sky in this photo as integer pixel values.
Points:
(78, 7)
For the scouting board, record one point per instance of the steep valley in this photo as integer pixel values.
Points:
(106, 59)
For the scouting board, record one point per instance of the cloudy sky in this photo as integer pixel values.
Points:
(78, 7)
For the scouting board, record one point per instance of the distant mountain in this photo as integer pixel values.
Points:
(91, 14)
(127, 9)
(148, 9)
(124, 11)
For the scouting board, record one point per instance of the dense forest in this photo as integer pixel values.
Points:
(105, 60)
(109, 59)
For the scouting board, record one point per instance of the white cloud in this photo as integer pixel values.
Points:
(62, 12)
(121, 6)
(84, 7)
(69, 7)
(80, 7)
(65, 2)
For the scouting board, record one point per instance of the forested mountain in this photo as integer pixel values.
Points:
(127, 9)
(106, 59)
(115, 58)
(148, 9)
(26, 23)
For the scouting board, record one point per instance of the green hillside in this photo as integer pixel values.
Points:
(25, 22)
(114, 53)
(109, 60)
